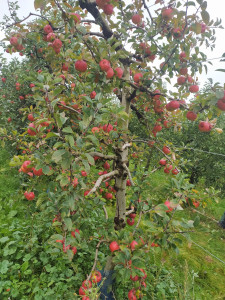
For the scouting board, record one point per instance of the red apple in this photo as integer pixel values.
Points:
(131, 295)
(114, 246)
(221, 104)
(118, 72)
(167, 203)
(108, 9)
(48, 29)
(133, 244)
(136, 19)
(166, 150)
(172, 105)
(192, 116)
(181, 80)
(204, 126)
(109, 73)
(162, 162)
(194, 88)
(104, 65)
(130, 222)
(167, 13)
(137, 77)
(81, 65)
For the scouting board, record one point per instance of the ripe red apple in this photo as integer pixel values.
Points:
(96, 276)
(132, 215)
(190, 79)
(221, 104)
(9, 120)
(167, 203)
(83, 173)
(74, 249)
(133, 244)
(166, 150)
(13, 41)
(104, 65)
(31, 131)
(108, 9)
(32, 85)
(38, 172)
(132, 295)
(118, 72)
(196, 203)
(30, 117)
(57, 44)
(50, 37)
(167, 13)
(137, 77)
(183, 71)
(204, 126)
(194, 88)
(3, 79)
(86, 284)
(48, 29)
(114, 246)
(182, 56)
(130, 222)
(108, 196)
(181, 80)
(25, 166)
(175, 171)
(172, 105)
(29, 195)
(192, 116)
(110, 73)
(82, 291)
(106, 166)
(136, 19)
(93, 95)
(162, 162)
(81, 65)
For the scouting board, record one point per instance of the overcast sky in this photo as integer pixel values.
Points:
(216, 9)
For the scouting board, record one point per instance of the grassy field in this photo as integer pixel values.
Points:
(199, 268)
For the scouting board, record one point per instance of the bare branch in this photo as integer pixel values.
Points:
(128, 173)
(106, 213)
(146, 7)
(129, 212)
(99, 154)
(101, 178)
(69, 108)
(31, 14)
(96, 259)
(126, 146)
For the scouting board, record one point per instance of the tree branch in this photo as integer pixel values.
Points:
(101, 178)
(128, 173)
(96, 258)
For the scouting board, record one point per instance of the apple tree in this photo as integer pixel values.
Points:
(104, 80)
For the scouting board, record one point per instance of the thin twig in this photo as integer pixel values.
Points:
(146, 7)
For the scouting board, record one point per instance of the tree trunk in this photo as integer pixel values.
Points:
(122, 158)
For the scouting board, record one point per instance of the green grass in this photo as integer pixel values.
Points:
(200, 274)
(9, 181)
